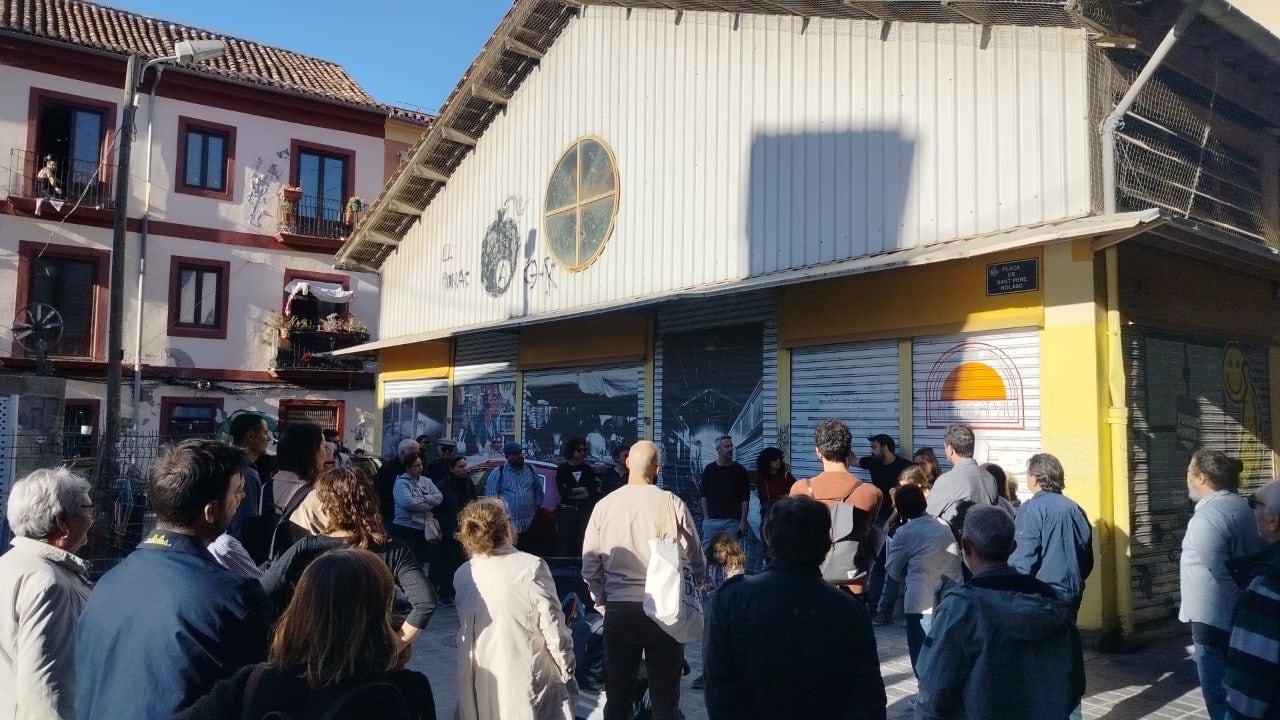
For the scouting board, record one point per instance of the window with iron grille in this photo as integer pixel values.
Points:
(183, 418)
(325, 413)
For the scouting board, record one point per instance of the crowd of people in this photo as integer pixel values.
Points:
(297, 590)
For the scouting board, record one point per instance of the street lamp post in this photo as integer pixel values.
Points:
(185, 51)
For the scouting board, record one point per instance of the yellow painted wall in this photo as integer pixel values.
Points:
(935, 299)
(1175, 292)
(417, 361)
(1073, 413)
(590, 340)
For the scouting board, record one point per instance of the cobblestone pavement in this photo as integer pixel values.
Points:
(1157, 682)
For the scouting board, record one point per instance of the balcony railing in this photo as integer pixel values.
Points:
(80, 181)
(316, 217)
(302, 351)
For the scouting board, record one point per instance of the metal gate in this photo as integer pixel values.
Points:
(988, 381)
(856, 383)
(1185, 392)
(484, 394)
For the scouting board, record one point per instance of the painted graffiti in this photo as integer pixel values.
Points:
(457, 279)
(535, 270)
(260, 184)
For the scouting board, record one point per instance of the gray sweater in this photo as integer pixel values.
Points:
(960, 488)
(1221, 529)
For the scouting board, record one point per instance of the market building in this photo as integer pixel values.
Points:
(678, 220)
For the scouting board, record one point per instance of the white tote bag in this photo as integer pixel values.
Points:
(672, 597)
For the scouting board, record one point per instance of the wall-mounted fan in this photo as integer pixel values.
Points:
(38, 328)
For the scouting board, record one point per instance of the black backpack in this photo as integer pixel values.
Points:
(355, 702)
(848, 559)
(265, 536)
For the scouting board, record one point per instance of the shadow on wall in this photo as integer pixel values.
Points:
(825, 195)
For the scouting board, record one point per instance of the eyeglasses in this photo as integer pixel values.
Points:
(1255, 503)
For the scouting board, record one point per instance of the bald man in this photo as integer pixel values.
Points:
(615, 560)
(1253, 656)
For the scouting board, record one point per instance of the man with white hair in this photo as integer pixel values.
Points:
(1253, 655)
(43, 590)
(995, 639)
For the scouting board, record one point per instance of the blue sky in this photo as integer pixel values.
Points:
(405, 52)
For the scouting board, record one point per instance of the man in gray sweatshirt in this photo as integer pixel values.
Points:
(965, 485)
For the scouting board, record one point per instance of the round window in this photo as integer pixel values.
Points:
(582, 201)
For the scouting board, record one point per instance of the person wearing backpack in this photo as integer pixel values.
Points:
(335, 655)
(854, 506)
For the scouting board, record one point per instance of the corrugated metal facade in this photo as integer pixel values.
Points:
(989, 381)
(854, 382)
(1184, 393)
(752, 150)
(485, 358)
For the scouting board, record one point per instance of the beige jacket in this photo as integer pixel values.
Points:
(43, 590)
(615, 551)
(515, 653)
(309, 517)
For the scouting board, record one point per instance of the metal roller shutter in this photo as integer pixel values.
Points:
(856, 383)
(1183, 393)
(485, 358)
(411, 408)
(989, 381)
(603, 404)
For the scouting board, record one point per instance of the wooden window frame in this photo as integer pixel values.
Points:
(228, 132)
(339, 405)
(177, 264)
(40, 97)
(168, 402)
(296, 147)
(576, 206)
(29, 251)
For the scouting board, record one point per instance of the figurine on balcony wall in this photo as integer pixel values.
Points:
(47, 185)
(354, 206)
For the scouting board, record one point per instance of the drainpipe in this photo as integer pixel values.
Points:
(142, 257)
(1112, 123)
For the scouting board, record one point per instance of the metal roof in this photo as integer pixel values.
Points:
(529, 30)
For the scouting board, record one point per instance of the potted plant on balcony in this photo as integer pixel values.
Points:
(354, 206)
(289, 197)
(345, 329)
(278, 325)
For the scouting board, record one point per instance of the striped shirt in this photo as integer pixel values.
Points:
(1253, 658)
(521, 490)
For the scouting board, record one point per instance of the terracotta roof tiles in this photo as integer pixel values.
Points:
(117, 31)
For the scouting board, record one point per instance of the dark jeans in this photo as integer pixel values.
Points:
(917, 630)
(414, 540)
(875, 583)
(628, 635)
(446, 558)
(1210, 655)
(571, 526)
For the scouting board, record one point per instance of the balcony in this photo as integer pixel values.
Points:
(301, 358)
(38, 190)
(312, 223)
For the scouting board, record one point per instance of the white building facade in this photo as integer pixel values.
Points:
(246, 172)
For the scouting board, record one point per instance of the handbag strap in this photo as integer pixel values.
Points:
(251, 689)
(666, 517)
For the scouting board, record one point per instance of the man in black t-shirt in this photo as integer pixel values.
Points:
(579, 491)
(884, 465)
(726, 493)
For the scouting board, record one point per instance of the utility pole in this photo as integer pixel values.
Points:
(119, 228)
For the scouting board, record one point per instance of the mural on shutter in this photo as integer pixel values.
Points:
(1185, 393)
(484, 394)
(856, 383)
(412, 408)
(989, 381)
(599, 404)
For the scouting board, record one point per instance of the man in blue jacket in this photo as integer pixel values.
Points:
(167, 623)
(1055, 540)
(1003, 645)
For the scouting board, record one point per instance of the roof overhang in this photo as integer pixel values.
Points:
(1105, 230)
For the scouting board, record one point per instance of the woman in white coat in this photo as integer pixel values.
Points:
(43, 589)
(515, 653)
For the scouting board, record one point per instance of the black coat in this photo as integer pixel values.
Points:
(785, 644)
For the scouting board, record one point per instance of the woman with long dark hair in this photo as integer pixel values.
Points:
(773, 479)
(300, 457)
(335, 650)
(927, 459)
(350, 503)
